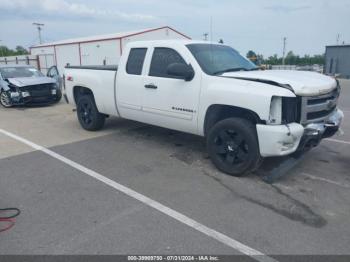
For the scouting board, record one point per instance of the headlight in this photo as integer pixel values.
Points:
(291, 107)
(275, 117)
(284, 110)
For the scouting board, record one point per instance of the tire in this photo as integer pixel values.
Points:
(89, 117)
(233, 146)
(5, 99)
(58, 96)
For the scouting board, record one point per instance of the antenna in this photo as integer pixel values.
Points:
(338, 38)
(284, 50)
(39, 27)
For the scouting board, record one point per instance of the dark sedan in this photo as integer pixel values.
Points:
(20, 85)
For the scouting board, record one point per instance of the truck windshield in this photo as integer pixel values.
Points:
(13, 72)
(219, 59)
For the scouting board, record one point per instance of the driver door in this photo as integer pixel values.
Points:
(53, 73)
(168, 101)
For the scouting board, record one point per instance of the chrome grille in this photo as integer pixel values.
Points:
(318, 108)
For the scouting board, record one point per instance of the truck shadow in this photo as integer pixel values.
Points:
(191, 149)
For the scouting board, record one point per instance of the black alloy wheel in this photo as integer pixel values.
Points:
(233, 146)
(88, 115)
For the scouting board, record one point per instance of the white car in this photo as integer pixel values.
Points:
(210, 90)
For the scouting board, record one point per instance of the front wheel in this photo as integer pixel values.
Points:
(5, 99)
(88, 115)
(233, 146)
(58, 96)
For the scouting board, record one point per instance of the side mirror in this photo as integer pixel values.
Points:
(181, 71)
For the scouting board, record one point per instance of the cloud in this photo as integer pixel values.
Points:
(287, 9)
(64, 8)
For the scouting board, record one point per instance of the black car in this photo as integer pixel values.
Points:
(21, 85)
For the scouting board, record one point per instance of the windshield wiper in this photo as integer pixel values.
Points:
(234, 70)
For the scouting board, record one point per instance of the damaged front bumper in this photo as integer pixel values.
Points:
(281, 140)
(26, 97)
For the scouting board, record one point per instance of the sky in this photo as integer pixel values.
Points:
(258, 25)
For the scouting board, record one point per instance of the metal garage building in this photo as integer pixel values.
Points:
(96, 50)
(338, 60)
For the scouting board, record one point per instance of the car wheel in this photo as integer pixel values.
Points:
(5, 99)
(233, 146)
(58, 96)
(88, 115)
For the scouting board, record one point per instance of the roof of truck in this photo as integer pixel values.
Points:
(171, 41)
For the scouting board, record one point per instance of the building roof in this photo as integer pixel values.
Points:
(337, 46)
(105, 37)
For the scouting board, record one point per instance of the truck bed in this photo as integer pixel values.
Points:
(100, 79)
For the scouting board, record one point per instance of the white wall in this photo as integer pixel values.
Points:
(46, 56)
(67, 54)
(94, 53)
(42, 50)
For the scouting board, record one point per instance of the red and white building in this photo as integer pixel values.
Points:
(96, 50)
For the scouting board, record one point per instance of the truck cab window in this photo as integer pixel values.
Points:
(161, 59)
(135, 61)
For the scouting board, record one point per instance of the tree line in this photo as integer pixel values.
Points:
(19, 50)
(290, 59)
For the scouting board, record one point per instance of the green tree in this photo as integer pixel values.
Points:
(292, 59)
(19, 50)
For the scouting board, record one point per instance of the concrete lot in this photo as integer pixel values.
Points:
(64, 211)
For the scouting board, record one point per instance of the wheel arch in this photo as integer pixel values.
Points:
(218, 112)
(79, 91)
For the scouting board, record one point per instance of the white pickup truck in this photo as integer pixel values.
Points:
(209, 90)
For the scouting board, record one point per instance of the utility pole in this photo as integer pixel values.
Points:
(338, 38)
(39, 27)
(211, 29)
(284, 50)
(2, 52)
(205, 35)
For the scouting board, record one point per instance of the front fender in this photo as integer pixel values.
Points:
(4, 86)
(253, 96)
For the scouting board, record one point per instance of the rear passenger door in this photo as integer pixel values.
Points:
(168, 101)
(129, 87)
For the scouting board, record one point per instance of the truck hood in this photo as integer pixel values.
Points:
(303, 83)
(30, 81)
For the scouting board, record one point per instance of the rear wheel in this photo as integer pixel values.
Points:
(88, 115)
(233, 146)
(5, 99)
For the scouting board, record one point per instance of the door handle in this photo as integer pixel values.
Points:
(151, 86)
